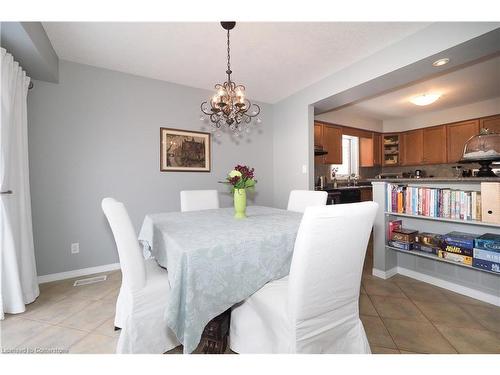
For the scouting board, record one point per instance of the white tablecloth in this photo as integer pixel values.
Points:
(215, 261)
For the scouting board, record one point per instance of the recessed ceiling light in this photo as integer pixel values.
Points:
(441, 62)
(425, 99)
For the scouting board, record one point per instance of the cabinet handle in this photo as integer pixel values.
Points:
(6, 192)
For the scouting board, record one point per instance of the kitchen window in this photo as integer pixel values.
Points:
(350, 158)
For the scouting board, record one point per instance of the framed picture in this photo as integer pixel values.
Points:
(184, 151)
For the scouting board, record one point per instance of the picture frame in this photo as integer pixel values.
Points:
(184, 151)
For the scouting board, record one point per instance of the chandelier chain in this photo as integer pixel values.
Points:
(228, 58)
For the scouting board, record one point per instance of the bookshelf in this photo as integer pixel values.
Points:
(436, 258)
(456, 221)
(474, 282)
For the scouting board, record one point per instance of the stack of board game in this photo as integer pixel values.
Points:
(458, 247)
(403, 239)
(486, 253)
(429, 243)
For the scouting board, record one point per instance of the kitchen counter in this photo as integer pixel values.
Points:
(437, 179)
(330, 188)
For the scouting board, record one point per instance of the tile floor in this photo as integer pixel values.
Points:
(400, 315)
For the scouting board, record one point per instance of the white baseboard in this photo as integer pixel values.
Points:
(460, 289)
(77, 273)
(385, 274)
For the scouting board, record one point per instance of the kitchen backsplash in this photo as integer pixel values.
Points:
(437, 170)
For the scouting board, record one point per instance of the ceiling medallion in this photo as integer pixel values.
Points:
(229, 107)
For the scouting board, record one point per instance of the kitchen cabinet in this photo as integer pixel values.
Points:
(390, 149)
(456, 135)
(370, 150)
(434, 145)
(492, 123)
(413, 147)
(377, 149)
(332, 142)
(318, 134)
(366, 194)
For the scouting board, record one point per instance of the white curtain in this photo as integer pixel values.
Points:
(18, 278)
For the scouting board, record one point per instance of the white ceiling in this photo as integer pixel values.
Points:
(471, 84)
(273, 60)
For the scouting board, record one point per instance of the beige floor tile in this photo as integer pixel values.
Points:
(400, 279)
(380, 287)
(487, 316)
(95, 291)
(107, 328)
(420, 337)
(58, 311)
(112, 296)
(423, 292)
(376, 332)
(382, 350)
(90, 317)
(397, 308)
(95, 344)
(464, 300)
(15, 330)
(447, 313)
(54, 338)
(467, 340)
(366, 306)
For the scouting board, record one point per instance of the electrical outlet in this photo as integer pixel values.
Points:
(75, 248)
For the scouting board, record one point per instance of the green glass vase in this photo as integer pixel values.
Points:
(240, 203)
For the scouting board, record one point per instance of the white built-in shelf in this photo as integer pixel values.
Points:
(456, 221)
(435, 257)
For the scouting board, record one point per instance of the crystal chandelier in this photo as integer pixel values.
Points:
(229, 107)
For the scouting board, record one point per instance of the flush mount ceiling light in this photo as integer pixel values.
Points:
(441, 62)
(229, 107)
(425, 99)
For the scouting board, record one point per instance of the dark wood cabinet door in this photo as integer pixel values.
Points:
(318, 135)
(491, 123)
(332, 142)
(377, 149)
(412, 147)
(456, 135)
(434, 145)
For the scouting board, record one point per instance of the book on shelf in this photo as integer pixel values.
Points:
(486, 265)
(434, 202)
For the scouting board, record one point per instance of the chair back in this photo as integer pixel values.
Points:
(129, 251)
(325, 277)
(196, 200)
(300, 199)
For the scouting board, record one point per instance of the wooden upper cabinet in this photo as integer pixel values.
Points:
(370, 150)
(434, 150)
(332, 143)
(492, 123)
(456, 135)
(318, 134)
(413, 147)
(377, 149)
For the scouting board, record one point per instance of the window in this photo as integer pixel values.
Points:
(350, 158)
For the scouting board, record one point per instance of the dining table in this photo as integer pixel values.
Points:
(215, 260)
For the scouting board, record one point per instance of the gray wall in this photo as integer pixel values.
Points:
(96, 134)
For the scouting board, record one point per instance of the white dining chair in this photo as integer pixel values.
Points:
(315, 308)
(144, 293)
(300, 199)
(196, 200)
